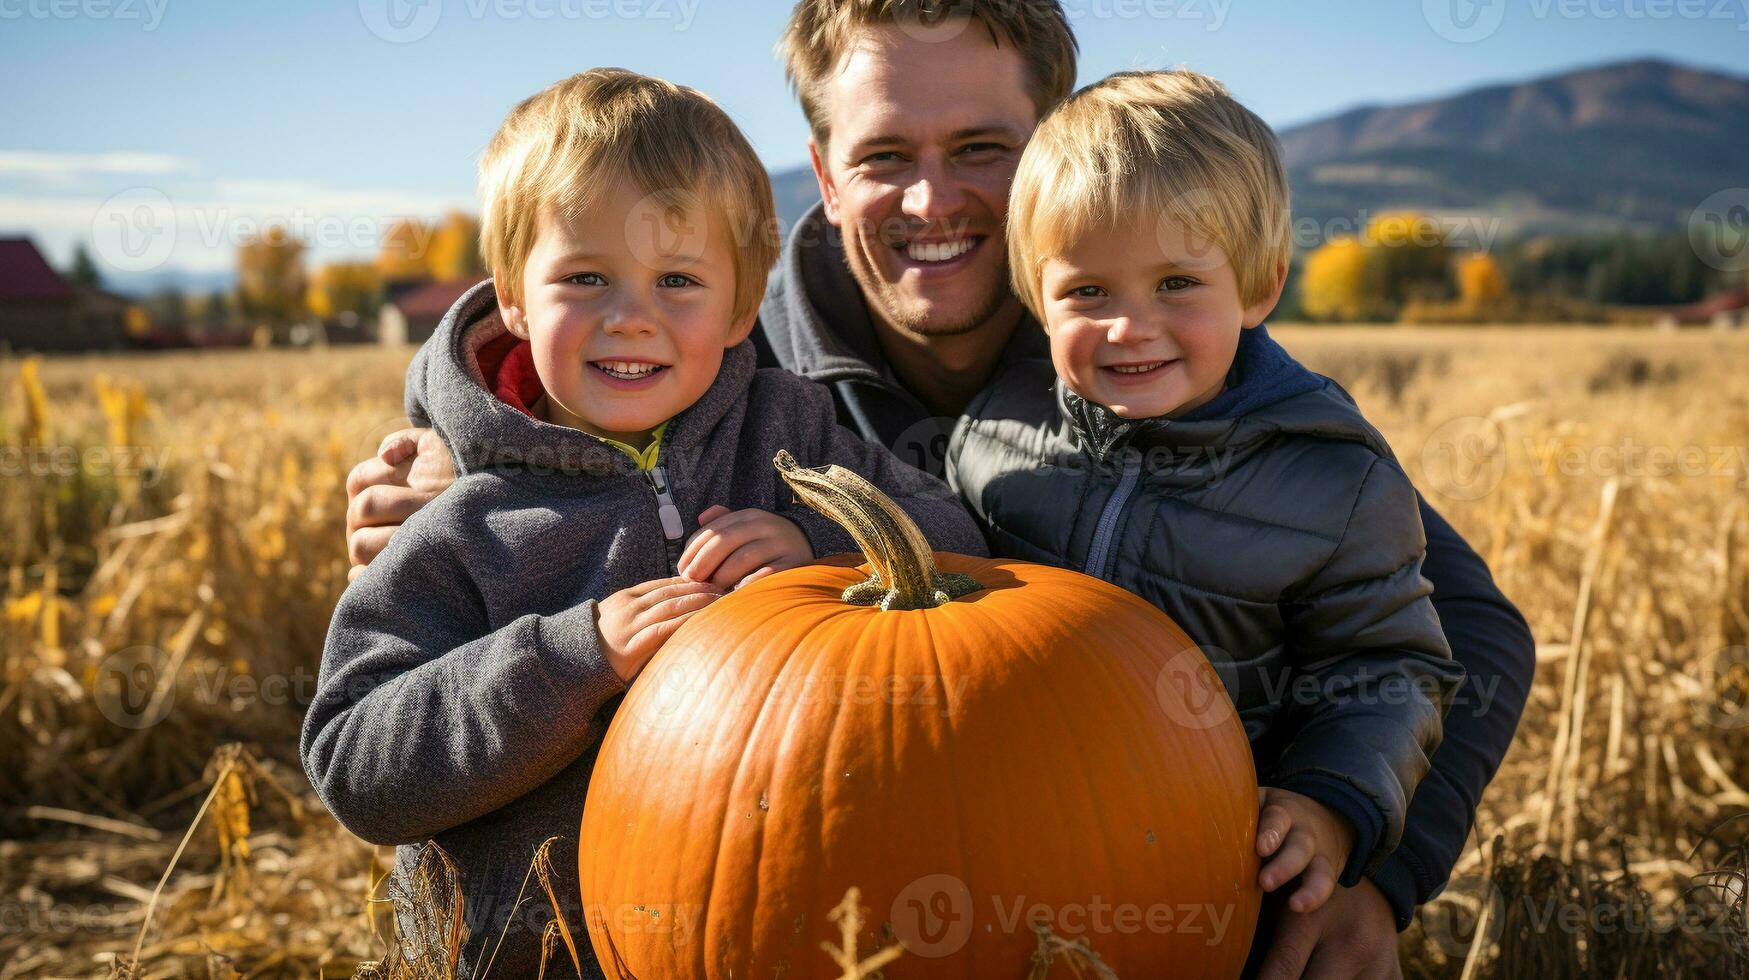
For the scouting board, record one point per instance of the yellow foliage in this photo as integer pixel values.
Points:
(342, 287)
(1399, 229)
(405, 251)
(36, 404)
(1334, 283)
(1480, 280)
(270, 275)
(455, 249)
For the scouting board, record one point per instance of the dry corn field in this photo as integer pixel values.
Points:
(172, 549)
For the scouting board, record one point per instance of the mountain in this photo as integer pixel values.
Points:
(1635, 145)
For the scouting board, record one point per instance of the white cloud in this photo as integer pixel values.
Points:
(26, 163)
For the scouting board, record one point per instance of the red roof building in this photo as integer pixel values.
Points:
(41, 311)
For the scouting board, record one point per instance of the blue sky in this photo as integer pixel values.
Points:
(338, 114)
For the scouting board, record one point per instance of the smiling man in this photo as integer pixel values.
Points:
(893, 292)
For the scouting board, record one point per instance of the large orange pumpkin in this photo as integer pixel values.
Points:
(1031, 757)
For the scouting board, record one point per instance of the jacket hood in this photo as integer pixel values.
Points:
(817, 322)
(484, 432)
(1268, 392)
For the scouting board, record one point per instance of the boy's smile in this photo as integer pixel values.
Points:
(1145, 322)
(628, 326)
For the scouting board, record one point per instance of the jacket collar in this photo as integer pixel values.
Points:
(1262, 378)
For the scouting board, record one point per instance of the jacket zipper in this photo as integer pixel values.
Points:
(672, 528)
(1099, 555)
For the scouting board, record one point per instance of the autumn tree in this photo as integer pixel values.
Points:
(1335, 284)
(1481, 283)
(455, 249)
(270, 280)
(344, 287)
(405, 251)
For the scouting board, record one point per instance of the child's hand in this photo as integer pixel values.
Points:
(1305, 836)
(635, 622)
(734, 547)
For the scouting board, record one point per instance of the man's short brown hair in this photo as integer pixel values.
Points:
(820, 33)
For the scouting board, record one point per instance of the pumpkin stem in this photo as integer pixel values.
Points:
(904, 574)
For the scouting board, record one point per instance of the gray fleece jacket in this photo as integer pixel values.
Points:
(463, 692)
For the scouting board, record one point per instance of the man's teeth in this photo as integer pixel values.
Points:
(939, 251)
(628, 370)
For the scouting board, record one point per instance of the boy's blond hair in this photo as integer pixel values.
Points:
(820, 33)
(1148, 146)
(560, 147)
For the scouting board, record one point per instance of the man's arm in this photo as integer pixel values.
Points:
(1491, 640)
(411, 468)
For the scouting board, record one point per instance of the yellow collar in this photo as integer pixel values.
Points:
(646, 459)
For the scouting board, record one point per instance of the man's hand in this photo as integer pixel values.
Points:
(411, 468)
(1352, 936)
(735, 547)
(1304, 836)
(635, 622)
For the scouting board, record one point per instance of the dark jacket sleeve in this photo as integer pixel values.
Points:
(1374, 671)
(424, 718)
(1492, 642)
(939, 514)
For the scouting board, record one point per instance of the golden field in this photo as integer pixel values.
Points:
(172, 548)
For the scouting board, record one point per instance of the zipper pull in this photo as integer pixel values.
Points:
(672, 529)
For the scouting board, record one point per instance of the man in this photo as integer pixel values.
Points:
(893, 292)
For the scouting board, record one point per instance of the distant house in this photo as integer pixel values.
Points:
(41, 311)
(1725, 311)
(412, 311)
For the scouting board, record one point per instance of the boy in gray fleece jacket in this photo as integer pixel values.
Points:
(1193, 462)
(615, 446)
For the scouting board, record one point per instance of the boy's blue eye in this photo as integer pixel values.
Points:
(675, 280)
(1087, 292)
(1176, 283)
(586, 279)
